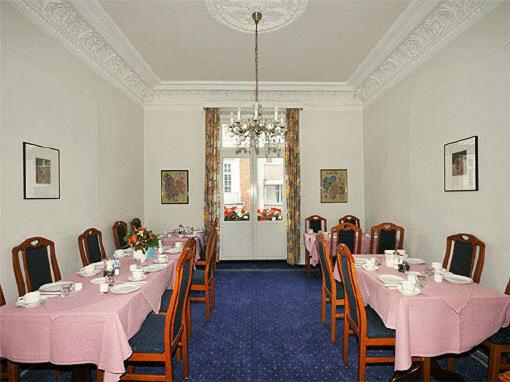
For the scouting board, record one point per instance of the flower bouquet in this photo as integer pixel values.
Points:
(272, 213)
(143, 241)
(235, 214)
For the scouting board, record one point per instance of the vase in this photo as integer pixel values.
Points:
(151, 253)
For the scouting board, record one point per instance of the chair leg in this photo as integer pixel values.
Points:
(178, 355)
(188, 317)
(362, 362)
(13, 371)
(333, 320)
(307, 263)
(425, 370)
(450, 363)
(323, 305)
(207, 304)
(99, 375)
(346, 341)
(185, 356)
(169, 369)
(494, 363)
(213, 302)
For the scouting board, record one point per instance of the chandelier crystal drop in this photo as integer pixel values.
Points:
(254, 130)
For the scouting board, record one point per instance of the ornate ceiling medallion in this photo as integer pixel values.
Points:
(236, 14)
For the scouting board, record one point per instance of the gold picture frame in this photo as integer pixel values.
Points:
(174, 187)
(333, 185)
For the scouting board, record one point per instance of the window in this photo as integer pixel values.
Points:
(273, 194)
(227, 177)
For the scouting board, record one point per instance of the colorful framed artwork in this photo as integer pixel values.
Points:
(333, 186)
(461, 165)
(174, 187)
(41, 172)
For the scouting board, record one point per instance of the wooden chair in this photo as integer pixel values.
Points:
(316, 223)
(332, 290)
(384, 237)
(364, 322)
(39, 266)
(135, 224)
(119, 230)
(505, 377)
(350, 219)
(461, 255)
(348, 234)
(203, 278)
(162, 335)
(90, 243)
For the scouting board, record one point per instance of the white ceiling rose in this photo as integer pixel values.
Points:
(276, 14)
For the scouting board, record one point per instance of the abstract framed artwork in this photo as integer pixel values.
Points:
(174, 187)
(461, 165)
(41, 172)
(333, 186)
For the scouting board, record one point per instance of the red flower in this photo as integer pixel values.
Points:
(262, 218)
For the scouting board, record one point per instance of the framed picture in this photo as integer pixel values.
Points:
(174, 187)
(461, 165)
(41, 172)
(334, 186)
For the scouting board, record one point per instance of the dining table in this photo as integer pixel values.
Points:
(87, 327)
(445, 318)
(170, 239)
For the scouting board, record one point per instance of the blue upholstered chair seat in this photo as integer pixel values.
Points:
(339, 290)
(502, 337)
(165, 300)
(151, 336)
(375, 326)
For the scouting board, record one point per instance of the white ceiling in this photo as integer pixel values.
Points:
(181, 41)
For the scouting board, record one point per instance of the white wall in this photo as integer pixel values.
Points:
(174, 140)
(331, 139)
(51, 98)
(462, 91)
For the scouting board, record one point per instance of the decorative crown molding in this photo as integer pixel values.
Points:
(61, 19)
(276, 14)
(385, 65)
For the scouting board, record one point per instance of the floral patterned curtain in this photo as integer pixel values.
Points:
(212, 163)
(293, 186)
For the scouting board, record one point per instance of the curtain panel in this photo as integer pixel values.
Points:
(212, 165)
(293, 186)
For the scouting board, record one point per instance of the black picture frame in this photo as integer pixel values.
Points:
(460, 165)
(49, 185)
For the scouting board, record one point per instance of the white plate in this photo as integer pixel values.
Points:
(457, 279)
(370, 269)
(22, 304)
(88, 274)
(416, 291)
(125, 288)
(98, 280)
(130, 278)
(154, 267)
(173, 250)
(162, 262)
(54, 287)
(413, 260)
(390, 279)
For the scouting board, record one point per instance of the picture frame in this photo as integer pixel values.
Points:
(41, 172)
(174, 187)
(334, 187)
(461, 165)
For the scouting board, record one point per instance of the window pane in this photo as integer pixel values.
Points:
(270, 189)
(236, 189)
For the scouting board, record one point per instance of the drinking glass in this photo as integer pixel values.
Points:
(429, 271)
(421, 281)
(66, 289)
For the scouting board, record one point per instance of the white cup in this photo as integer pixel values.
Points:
(408, 286)
(389, 260)
(103, 288)
(162, 258)
(436, 265)
(370, 263)
(118, 253)
(91, 268)
(31, 297)
(411, 277)
(137, 274)
(438, 277)
(179, 244)
(132, 267)
(402, 252)
(109, 265)
(77, 286)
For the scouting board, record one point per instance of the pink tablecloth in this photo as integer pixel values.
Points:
(445, 318)
(86, 327)
(171, 239)
(310, 239)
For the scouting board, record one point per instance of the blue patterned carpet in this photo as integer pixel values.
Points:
(266, 327)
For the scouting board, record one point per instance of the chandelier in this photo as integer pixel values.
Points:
(254, 129)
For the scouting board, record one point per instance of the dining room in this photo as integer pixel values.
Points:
(278, 190)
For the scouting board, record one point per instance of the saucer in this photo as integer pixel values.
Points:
(22, 304)
(88, 274)
(98, 280)
(374, 268)
(130, 278)
(173, 250)
(162, 262)
(413, 293)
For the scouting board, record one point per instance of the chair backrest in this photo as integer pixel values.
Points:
(386, 236)
(136, 223)
(2, 298)
(348, 234)
(465, 254)
(316, 223)
(349, 219)
(326, 265)
(39, 265)
(119, 230)
(175, 316)
(90, 244)
(354, 306)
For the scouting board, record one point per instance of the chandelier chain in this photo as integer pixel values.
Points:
(256, 61)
